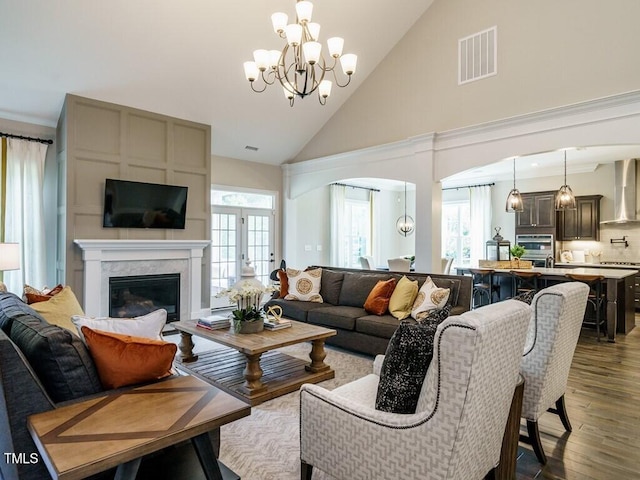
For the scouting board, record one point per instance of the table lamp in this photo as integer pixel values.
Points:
(9, 259)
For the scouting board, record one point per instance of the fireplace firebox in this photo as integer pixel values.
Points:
(133, 296)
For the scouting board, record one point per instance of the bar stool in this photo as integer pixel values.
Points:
(524, 281)
(597, 298)
(482, 285)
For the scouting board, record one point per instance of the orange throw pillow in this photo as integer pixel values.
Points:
(378, 300)
(284, 283)
(33, 295)
(125, 360)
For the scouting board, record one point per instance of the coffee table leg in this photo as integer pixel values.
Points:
(252, 374)
(186, 348)
(317, 356)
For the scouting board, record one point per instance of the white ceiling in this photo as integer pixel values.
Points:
(183, 59)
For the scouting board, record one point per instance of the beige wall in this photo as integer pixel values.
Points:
(99, 140)
(550, 54)
(238, 173)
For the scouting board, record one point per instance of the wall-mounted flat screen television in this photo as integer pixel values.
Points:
(143, 205)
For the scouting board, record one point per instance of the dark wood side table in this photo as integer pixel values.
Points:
(116, 430)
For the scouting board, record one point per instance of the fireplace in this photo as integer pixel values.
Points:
(136, 295)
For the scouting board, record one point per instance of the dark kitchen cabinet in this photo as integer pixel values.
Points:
(583, 223)
(539, 213)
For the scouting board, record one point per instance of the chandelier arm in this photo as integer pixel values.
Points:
(265, 77)
(256, 89)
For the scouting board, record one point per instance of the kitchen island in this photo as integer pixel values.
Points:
(620, 288)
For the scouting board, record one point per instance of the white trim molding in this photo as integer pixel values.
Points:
(106, 258)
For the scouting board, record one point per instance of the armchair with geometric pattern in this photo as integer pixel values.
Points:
(556, 319)
(459, 423)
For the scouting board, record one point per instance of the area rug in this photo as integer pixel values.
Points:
(266, 444)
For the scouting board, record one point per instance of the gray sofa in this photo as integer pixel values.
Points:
(42, 366)
(344, 292)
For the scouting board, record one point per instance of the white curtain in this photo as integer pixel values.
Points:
(338, 233)
(480, 212)
(24, 222)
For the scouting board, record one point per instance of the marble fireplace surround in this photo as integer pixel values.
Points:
(118, 258)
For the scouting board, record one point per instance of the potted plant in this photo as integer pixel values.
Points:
(248, 317)
(517, 251)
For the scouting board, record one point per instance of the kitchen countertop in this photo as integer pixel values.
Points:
(597, 265)
(610, 273)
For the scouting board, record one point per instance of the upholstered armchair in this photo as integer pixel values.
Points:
(556, 319)
(457, 429)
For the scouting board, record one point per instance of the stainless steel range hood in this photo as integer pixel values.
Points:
(624, 193)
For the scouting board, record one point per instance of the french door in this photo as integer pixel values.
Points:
(239, 235)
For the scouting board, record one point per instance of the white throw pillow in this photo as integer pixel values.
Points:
(304, 286)
(430, 297)
(148, 326)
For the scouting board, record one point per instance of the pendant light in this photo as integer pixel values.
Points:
(565, 199)
(514, 200)
(405, 224)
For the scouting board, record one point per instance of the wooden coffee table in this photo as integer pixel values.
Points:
(250, 368)
(89, 437)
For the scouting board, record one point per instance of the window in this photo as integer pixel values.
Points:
(456, 234)
(358, 238)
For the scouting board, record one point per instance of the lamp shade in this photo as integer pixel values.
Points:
(9, 256)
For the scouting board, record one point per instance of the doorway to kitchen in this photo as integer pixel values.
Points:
(242, 230)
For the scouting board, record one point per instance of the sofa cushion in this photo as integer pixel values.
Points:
(294, 310)
(404, 367)
(403, 297)
(59, 309)
(59, 358)
(330, 286)
(336, 316)
(377, 302)
(11, 307)
(356, 287)
(304, 285)
(430, 297)
(124, 360)
(148, 326)
(382, 326)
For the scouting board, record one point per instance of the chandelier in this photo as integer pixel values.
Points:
(300, 67)
(565, 199)
(405, 224)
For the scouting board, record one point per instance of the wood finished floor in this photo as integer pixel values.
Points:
(603, 401)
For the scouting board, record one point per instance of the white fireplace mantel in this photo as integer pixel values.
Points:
(136, 257)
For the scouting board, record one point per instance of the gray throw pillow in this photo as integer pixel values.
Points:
(406, 362)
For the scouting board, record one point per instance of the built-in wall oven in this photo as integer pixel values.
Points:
(538, 247)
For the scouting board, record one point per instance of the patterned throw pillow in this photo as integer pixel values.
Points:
(430, 297)
(526, 297)
(304, 285)
(403, 297)
(378, 300)
(406, 362)
(33, 295)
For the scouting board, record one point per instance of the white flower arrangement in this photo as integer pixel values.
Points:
(247, 295)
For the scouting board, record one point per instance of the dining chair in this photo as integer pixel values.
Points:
(446, 265)
(367, 262)
(399, 264)
(554, 328)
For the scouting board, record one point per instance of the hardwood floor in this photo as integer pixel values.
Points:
(603, 402)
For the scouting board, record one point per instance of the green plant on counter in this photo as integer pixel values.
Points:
(517, 251)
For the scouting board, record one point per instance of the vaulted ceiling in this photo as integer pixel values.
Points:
(183, 59)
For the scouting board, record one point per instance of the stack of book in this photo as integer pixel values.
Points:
(273, 324)
(213, 322)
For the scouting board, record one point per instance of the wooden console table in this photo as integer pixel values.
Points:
(118, 429)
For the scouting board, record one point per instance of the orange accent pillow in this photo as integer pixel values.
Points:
(284, 283)
(33, 295)
(126, 360)
(378, 300)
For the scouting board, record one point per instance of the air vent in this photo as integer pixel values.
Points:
(477, 56)
(249, 147)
